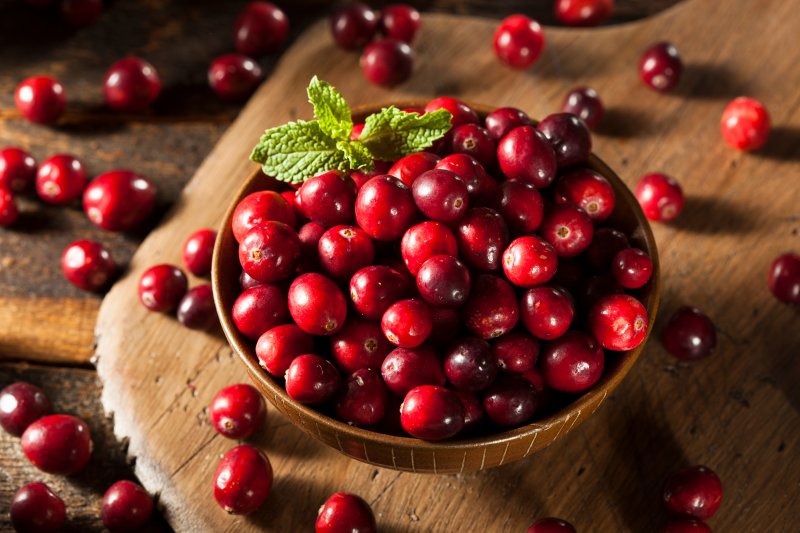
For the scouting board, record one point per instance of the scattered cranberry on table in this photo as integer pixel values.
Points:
(745, 124)
(353, 26)
(234, 76)
(41, 99)
(261, 28)
(243, 480)
(119, 200)
(17, 170)
(9, 212)
(61, 179)
(583, 12)
(161, 287)
(58, 444)
(343, 512)
(660, 196)
(387, 62)
(198, 250)
(131, 84)
(237, 411)
(784, 278)
(518, 41)
(686, 525)
(400, 21)
(584, 103)
(196, 308)
(551, 525)
(660, 67)
(126, 507)
(694, 492)
(88, 265)
(22, 404)
(81, 13)
(689, 334)
(37, 509)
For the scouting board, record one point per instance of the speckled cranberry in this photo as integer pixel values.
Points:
(234, 76)
(569, 136)
(35, 508)
(583, 13)
(61, 179)
(525, 154)
(501, 121)
(518, 41)
(277, 348)
(660, 196)
(425, 240)
(618, 322)
(119, 200)
(17, 170)
(694, 492)
(516, 352)
(551, 525)
(21, 404)
(685, 525)
(462, 113)
(131, 84)
(237, 411)
(161, 287)
(689, 334)
(345, 513)
(407, 323)
(260, 207)
(546, 312)
(88, 265)
(353, 25)
(491, 309)
(479, 184)
(312, 379)
(470, 364)
(374, 288)
(126, 507)
(632, 268)
(406, 368)
(660, 67)
(41, 99)
(443, 281)
(745, 124)
(520, 205)
(529, 261)
(363, 398)
(482, 236)
(243, 480)
(316, 304)
(81, 13)
(196, 309)
(568, 228)
(400, 21)
(387, 62)
(58, 444)
(607, 242)
(783, 278)
(473, 140)
(269, 252)
(588, 190)
(440, 195)
(407, 169)
(261, 28)
(432, 413)
(584, 103)
(197, 251)
(572, 363)
(259, 309)
(385, 208)
(510, 401)
(359, 344)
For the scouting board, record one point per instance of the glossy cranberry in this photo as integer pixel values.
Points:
(745, 124)
(234, 76)
(87, 265)
(196, 309)
(784, 278)
(197, 251)
(41, 99)
(695, 492)
(161, 287)
(569, 136)
(259, 309)
(387, 62)
(246, 282)
(36, 509)
(551, 525)
(529, 261)
(462, 113)
(440, 195)
(260, 207)
(607, 242)
(660, 67)
(520, 205)
(237, 411)
(363, 398)
(660, 196)
(689, 334)
(343, 250)
(546, 312)
(501, 121)
(479, 184)
(516, 352)
(491, 309)
(21, 404)
(518, 41)
(482, 236)
(9, 212)
(61, 179)
(632, 268)
(374, 288)
(126, 507)
(345, 513)
(618, 322)
(568, 228)
(406, 368)
(588, 190)
(385, 208)
(573, 362)
(277, 348)
(119, 200)
(269, 252)
(261, 28)
(312, 379)
(243, 480)
(584, 103)
(400, 21)
(470, 364)
(407, 169)
(17, 170)
(687, 525)
(316, 304)
(425, 240)
(525, 154)
(81, 13)
(510, 401)
(432, 413)
(443, 281)
(472, 140)
(131, 84)
(353, 26)
(291, 198)
(594, 288)
(359, 344)
(58, 444)
(583, 12)
(407, 323)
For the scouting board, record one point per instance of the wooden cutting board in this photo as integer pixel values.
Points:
(736, 412)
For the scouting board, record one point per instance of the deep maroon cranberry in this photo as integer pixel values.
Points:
(343, 250)
(343, 512)
(569, 136)
(745, 124)
(17, 170)
(473, 140)
(783, 278)
(400, 21)
(374, 288)
(607, 242)
(546, 312)
(474, 414)
(529, 261)
(196, 309)
(501, 121)
(689, 334)
(407, 323)
(584, 103)
(660, 67)
(36, 509)
(618, 322)
(425, 240)
(260, 207)
(61, 179)
(568, 228)
(632, 268)
(685, 525)
(161, 287)
(81, 13)
(462, 113)
(443, 281)
(87, 265)
(406, 368)
(277, 348)
(520, 204)
(588, 190)
(58, 444)
(660, 196)
(447, 326)
(516, 352)
(572, 363)
(518, 41)
(363, 398)
(197, 251)
(525, 154)
(479, 184)
(470, 364)
(482, 236)
(491, 309)
(243, 480)
(269, 252)
(353, 26)
(237, 411)
(131, 84)
(695, 492)
(126, 507)
(119, 200)
(359, 344)
(385, 208)
(432, 413)
(407, 169)
(593, 288)
(387, 62)
(21, 404)
(41, 99)
(312, 379)
(551, 525)
(9, 212)
(316, 304)
(582, 13)
(259, 309)
(261, 28)
(510, 401)
(234, 76)
(440, 195)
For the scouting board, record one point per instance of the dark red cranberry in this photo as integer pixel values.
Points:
(374, 288)
(573, 362)
(197, 251)
(446, 323)
(406, 368)
(618, 322)
(41, 99)
(61, 179)
(387, 62)
(551, 525)
(525, 154)
(607, 242)
(345, 513)
(660, 67)
(510, 401)
(131, 84)
(243, 480)
(432, 413)
(583, 13)
(87, 265)
(58, 444)
(660, 196)
(37, 509)
(546, 312)
(568, 228)
(17, 170)
(359, 344)
(443, 281)
(745, 124)
(237, 411)
(407, 323)
(353, 26)
(161, 287)
(685, 525)
(784, 278)
(491, 309)
(234, 76)
(632, 268)
(482, 236)
(343, 250)
(81, 13)
(473, 140)
(518, 41)
(277, 348)
(689, 334)
(474, 414)
(520, 204)
(694, 492)
(479, 184)
(588, 190)
(363, 398)
(119, 200)
(9, 212)
(425, 240)
(594, 288)
(400, 21)
(584, 103)
(260, 207)
(569, 136)
(126, 507)
(407, 169)
(312, 379)
(316, 304)
(21, 404)
(529, 261)
(385, 208)
(246, 282)
(261, 28)
(501, 121)
(309, 235)
(440, 195)
(462, 113)
(470, 364)
(196, 309)
(269, 252)
(516, 352)
(259, 309)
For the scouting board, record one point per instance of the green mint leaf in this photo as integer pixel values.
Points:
(330, 108)
(357, 154)
(391, 133)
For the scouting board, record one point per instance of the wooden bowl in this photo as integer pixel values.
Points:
(407, 453)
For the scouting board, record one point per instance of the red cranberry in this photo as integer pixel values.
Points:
(745, 124)
(694, 492)
(277, 348)
(243, 480)
(520, 204)
(443, 281)
(407, 169)
(425, 240)
(343, 250)
(196, 309)
(462, 113)
(660, 67)
(400, 21)
(359, 344)
(41, 99)
(470, 364)
(551, 525)
(387, 62)
(234, 76)
(446, 323)
(529, 261)
(632, 268)
(58, 444)
(607, 242)
(525, 154)
(345, 513)
(197, 251)
(21, 404)
(259, 309)
(316, 304)
(269, 252)
(584, 103)
(9, 212)
(472, 140)
(510, 401)
(87, 265)
(385, 208)
(516, 352)
(491, 309)
(363, 398)
(618, 322)
(161, 287)
(479, 183)
(474, 414)
(126, 506)
(689, 334)
(569, 136)
(546, 312)
(61, 179)
(17, 170)
(432, 413)
(119, 200)
(440, 195)
(407, 323)
(312, 379)
(237, 411)
(353, 26)
(518, 41)
(686, 525)
(405, 368)
(81, 13)
(482, 236)
(131, 84)
(258, 208)
(501, 121)
(572, 363)
(374, 288)
(37, 509)
(291, 198)
(784, 278)
(261, 28)
(588, 190)
(568, 228)
(583, 13)
(660, 196)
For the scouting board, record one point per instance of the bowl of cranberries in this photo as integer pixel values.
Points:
(451, 311)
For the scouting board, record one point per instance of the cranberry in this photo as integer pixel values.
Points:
(400, 21)
(440, 195)
(41, 99)
(583, 12)
(197, 251)
(291, 198)
(353, 26)
(482, 236)
(260, 207)
(407, 323)
(328, 198)
(784, 278)
(9, 212)
(529, 261)
(694, 492)
(588, 190)
(37, 509)
(196, 309)
(269, 252)
(479, 183)
(660, 67)
(745, 124)
(516, 352)
(312, 379)
(126, 506)
(246, 282)
(87, 265)
(374, 288)
(161, 287)
(316, 304)
(551, 525)
(584, 103)
(501, 121)
(474, 414)
(443, 281)
(343, 250)
(470, 364)
(343, 512)
(546, 312)
(259, 309)
(21, 404)
(81, 13)
(237, 411)
(119, 200)
(234, 76)
(689, 334)
(385, 208)
(520, 204)
(387, 62)
(544, 394)
(632, 268)
(518, 41)
(572, 363)
(58, 444)
(686, 525)
(131, 84)
(243, 480)
(472, 140)
(61, 179)
(432, 413)
(525, 154)
(569, 136)
(359, 344)
(277, 347)
(407, 169)
(309, 235)
(425, 240)
(491, 309)
(406, 368)
(660, 196)
(618, 322)
(607, 242)
(510, 401)
(461, 112)
(261, 28)
(446, 324)
(568, 228)
(363, 398)
(17, 170)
